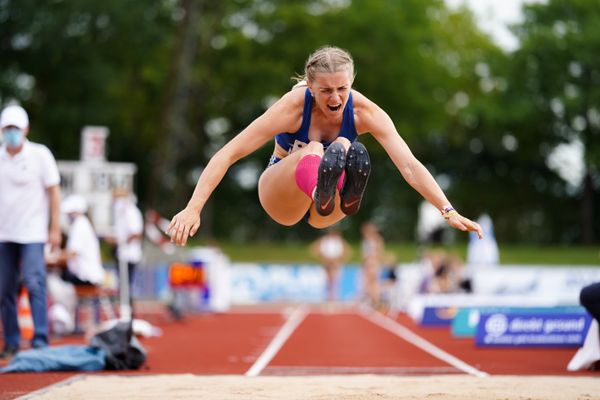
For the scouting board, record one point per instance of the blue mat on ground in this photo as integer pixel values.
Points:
(58, 358)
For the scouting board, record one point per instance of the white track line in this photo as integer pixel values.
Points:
(333, 370)
(411, 337)
(294, 319)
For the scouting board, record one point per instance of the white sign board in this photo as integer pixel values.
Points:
(96, 182)
(93, 143)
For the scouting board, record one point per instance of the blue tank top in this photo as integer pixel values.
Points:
(288, 141)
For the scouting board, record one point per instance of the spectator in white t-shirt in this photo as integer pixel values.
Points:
(29, 218)
(82, 252)
(128, 232)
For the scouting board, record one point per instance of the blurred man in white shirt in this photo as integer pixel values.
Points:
(29, 217)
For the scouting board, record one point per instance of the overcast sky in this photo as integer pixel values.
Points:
(493, 16)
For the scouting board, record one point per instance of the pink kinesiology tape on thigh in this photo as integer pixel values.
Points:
(306, 173)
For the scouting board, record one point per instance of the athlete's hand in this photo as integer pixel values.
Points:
(464, 224)
(183, 225)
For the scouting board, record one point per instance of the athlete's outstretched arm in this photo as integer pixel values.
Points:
(373, 119)
(276, 119)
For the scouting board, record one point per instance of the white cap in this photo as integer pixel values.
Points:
(14, 116)
(74, 204)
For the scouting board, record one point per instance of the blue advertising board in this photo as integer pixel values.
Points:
(467, 319)
(532, 330)
(438, 316)
(259, 283)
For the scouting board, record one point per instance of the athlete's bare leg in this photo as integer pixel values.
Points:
(284, 201)
(277, 190)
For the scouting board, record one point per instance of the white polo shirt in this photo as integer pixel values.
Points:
(87, 264)
(128, 221)
(24, 202)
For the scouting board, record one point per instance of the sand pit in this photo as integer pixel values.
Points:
(352, 387)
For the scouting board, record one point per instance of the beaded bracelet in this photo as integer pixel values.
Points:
(450, 214)
(446, 209)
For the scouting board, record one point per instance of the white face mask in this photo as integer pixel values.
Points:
(13, 137)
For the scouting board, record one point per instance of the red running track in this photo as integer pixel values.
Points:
(311, 342)
(348, 343)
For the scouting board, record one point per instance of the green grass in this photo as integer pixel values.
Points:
(509, 254)
(573, 255)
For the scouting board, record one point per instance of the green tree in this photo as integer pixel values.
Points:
(557, 74)
(88, 63)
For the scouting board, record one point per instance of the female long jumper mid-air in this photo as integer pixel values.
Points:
(318, 170)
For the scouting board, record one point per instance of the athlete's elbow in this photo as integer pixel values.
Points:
(408, 172)
(409, 177)
(224, 157)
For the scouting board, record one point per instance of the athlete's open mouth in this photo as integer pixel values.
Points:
(334, 108)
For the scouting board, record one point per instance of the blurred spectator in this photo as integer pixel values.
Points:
(442, 273)
(29, 217)
(430, 262)
(372, 249)
(332, 251)
(82, 252)
(447, 277)
(63, 303)
(61, 295)
(128, 230)
(430, 227)
(481, 253)
(388, 281)
(155, 228)
(80, 264)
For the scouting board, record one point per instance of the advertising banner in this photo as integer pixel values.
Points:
(467, 319)
(532, 330)
(438, 316)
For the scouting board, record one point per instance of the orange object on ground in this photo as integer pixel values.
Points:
(24, 315)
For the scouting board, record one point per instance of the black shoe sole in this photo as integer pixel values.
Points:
(358, 169)
(330, 170)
